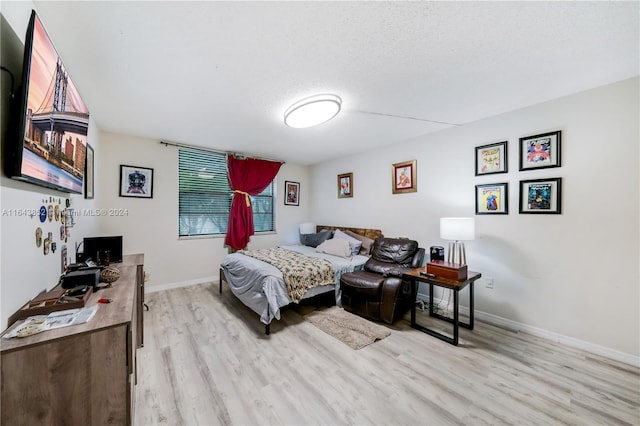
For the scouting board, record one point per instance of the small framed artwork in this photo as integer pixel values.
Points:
(541, 196)
(492, 198)
(136, 182)
(404, 177)
(88, 174)
(491, 158)
(291, 193)
(540, 151)
(345, 185)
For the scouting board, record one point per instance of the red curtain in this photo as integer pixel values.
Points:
(248, 176)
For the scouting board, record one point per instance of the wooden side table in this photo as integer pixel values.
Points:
(416, 278)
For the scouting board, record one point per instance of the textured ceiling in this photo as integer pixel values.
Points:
(221, 74)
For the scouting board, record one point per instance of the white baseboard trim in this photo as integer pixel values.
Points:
(546, 334)
(169, 286)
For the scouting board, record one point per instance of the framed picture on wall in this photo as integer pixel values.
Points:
(491, 158)
(88, 174)
(345, 185)
(541, 196)
(291, 193)
(540, 151)
(136, 182)
(492, 198)
(404, 177)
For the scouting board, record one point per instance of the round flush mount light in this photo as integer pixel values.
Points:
(312, 111)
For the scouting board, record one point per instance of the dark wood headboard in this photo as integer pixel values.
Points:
(366, 232)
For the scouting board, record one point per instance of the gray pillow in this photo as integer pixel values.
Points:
(314, 240)
(355, 244)
(367, 243)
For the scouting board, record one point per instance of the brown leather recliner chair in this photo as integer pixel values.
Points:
(378, 292)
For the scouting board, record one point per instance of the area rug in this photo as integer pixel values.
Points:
(350, 329)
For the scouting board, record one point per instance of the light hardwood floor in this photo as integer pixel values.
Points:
(206, 361)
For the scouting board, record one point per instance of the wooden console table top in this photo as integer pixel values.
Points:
(118, 312)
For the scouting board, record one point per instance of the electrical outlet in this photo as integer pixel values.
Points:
(488, 282)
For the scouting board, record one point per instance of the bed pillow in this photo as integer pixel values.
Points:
(314, 240)
(367, 243)
(353, 243)
(336, 247)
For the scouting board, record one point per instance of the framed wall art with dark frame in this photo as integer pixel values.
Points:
(541, 196)
(404, 177)
(492, 198)
(88, 173)
(136, 182)
(345, 185)
(491, 158)
(291, 193)
(540, 151)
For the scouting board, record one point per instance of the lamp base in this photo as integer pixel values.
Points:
(457, 253)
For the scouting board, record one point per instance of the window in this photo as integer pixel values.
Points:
(204, 196)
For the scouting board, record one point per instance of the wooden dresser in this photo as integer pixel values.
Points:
(82, 374)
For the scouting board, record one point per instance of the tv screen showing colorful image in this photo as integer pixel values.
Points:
(54, 118)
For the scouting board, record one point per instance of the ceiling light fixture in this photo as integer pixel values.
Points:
(312, 111)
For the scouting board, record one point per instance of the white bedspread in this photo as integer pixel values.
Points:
(260, 286)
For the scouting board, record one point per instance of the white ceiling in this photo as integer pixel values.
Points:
(221, 74)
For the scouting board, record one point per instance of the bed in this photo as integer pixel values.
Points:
(261, 286)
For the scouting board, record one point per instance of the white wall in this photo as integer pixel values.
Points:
(574, 274)
(25, 269)
(151, 225)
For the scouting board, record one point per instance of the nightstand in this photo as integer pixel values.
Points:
(416, 278)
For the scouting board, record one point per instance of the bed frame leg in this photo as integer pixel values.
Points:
(267, 330)
(222, 276)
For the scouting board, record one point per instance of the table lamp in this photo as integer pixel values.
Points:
(456, 229)
(306, 229)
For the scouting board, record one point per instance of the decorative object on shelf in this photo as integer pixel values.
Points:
(457, 229)
(291, 193)
(345, 185)
(312, 111)
(136, 182)
(88, 174)
(541, 196)
(491, 159)
(109, 275)
(492, 198)
(540, 151)
(404, 177)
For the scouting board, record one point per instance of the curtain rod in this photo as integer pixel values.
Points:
(217, 151)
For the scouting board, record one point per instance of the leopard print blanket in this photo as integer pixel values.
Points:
(300, 272)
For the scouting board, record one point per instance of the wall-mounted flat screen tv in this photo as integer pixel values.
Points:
(51, 120)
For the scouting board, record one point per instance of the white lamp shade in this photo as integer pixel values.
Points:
(307, 228)
(312, 111)
(457, 228)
